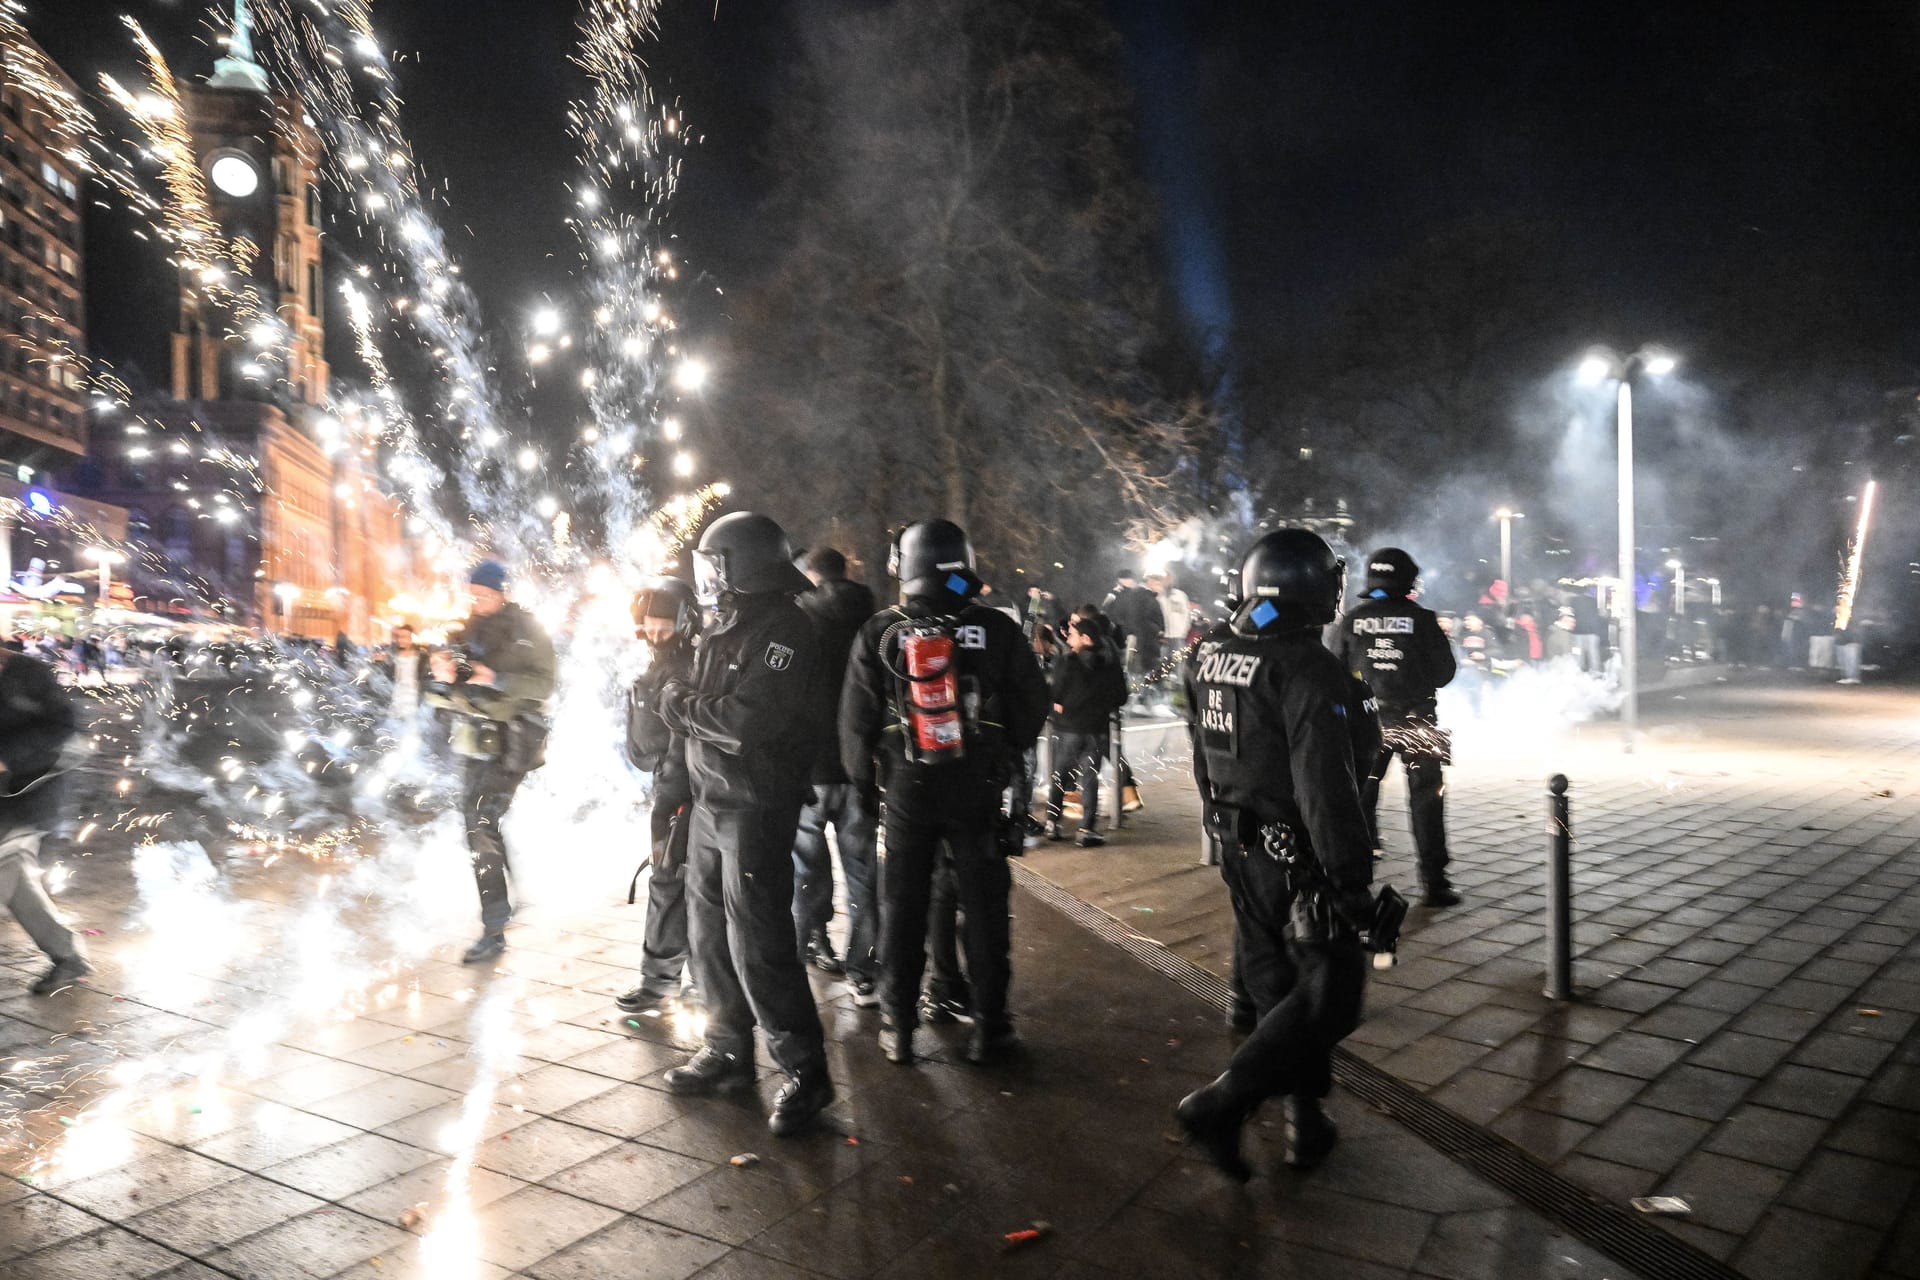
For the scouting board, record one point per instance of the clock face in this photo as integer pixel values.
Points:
(235, 175)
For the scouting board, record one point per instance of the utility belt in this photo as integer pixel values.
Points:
(1312, 913)
(1247, 834)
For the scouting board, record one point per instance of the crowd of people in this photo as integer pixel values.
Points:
(786, 720)
(783, 704)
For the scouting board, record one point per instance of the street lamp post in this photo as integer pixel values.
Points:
(1679, 589)
(1506, 516)
(1597, 368)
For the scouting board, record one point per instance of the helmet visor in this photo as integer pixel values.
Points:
(709, 576)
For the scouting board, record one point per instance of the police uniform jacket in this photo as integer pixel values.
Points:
(35, 722)
(1398, 648)
(752, 715)
(651, 745)
(1002, 692)
(1274, 735)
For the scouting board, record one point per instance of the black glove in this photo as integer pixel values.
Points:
(671, 698)
(1354, 906)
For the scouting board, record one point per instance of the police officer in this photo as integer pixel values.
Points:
(496, 685)
(1397, 647)
(942, 780)
(1274, 739)
(753, 719)
(667, 618)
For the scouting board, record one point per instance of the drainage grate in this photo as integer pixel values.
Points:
(1623, 1235)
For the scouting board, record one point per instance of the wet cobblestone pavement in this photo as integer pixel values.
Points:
(1747, 958)
(294, 1098)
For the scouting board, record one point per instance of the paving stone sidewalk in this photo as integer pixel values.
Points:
(331, 1141)
(1747, 930)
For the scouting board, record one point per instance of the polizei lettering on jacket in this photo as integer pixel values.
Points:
(1229, 668)
(1383, 626)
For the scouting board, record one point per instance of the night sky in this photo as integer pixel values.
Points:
(1295, 148)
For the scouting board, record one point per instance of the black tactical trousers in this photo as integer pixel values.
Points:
(663, 953)
(981, 883)
(1426, 808)
(1307, 995)
(487, 792)
(739, 887)
(945, 981)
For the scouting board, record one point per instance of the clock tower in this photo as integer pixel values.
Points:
(302, 540)
(261, 159)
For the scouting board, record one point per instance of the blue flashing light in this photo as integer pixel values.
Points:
(40, 502)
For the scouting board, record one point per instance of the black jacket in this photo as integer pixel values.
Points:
(1398, 648)
(35, 722)
(1274, 739)
(838, 610)
(1088, 687)
(1136, 612)
(651, 745)
(752, 715)
(997, 671)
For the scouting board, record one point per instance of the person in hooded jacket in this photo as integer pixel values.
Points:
(838, 609)
(1274, 737)
(1089, 686)
(951, 796)
(753, 718)
(1397, 647)
(36, 720)
(495, 687)
(667, 618)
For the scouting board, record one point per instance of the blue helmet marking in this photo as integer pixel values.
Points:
(957, 584)
(1263, 613)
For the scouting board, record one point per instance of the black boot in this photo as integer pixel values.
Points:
(801, 1099)
(819, 952)
(1440, 894)
(1310, 1134)
(712, 1072)
(985, 1047)
(489, 946)
(1211, 1120)
(65, 972)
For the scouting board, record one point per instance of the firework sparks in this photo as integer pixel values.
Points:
(1850, 580)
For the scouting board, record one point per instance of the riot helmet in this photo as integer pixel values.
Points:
(668, 598)
(1290, 580)
(746, 554)
(932, 556)
(1391, 571)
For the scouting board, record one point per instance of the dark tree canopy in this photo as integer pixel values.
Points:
(967, 319)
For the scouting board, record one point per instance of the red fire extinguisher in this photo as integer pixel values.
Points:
(935, 728)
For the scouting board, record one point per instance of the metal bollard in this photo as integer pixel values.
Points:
(1559, 890)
